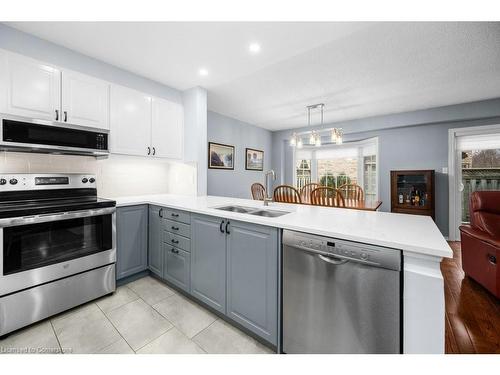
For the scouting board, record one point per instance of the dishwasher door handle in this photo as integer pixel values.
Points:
(333, 260)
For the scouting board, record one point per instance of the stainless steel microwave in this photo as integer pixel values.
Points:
(26, 134)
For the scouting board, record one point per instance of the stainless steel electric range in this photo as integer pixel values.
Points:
(57, 246)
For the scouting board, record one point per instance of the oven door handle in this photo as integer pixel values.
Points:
(43, 218)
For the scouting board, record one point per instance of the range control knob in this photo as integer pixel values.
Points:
(3, 181)
(13, 181)
(91, 180)
(85, 180)
(364, 256)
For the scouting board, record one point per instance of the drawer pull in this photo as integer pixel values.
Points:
(492, 259)
(175, 228)
(175, 241)
(175, 215)
(174, 250)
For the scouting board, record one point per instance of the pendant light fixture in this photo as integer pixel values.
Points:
(314, 136)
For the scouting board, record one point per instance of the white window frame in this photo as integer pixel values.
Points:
(454, 174)
(357, 144)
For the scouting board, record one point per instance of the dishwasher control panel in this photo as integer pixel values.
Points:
(365, 253)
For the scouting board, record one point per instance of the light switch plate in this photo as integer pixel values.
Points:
(445, 170)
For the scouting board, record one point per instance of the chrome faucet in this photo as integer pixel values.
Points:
(268, 198)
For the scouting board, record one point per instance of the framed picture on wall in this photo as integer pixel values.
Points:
(220, 156)
(254, 159)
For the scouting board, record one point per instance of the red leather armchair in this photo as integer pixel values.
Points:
(481, 240)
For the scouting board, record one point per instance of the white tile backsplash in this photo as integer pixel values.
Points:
(117, 175)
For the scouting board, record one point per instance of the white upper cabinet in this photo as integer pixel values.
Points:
(138, 123)
(167, 132)
(130, 121)
(30, 88)
(85, 100)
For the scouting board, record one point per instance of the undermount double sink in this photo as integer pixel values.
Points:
(253, 211)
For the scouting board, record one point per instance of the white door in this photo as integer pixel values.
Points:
(85, 100)
(30, 88)
(167, 133)
(130, 121)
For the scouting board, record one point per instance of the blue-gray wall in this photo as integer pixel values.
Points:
(412, 140)
(241, 135)
(29, 45)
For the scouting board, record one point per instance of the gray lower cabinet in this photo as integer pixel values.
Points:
(155, 251)
(230, 266)
(177, 266)
(208, 261)
(252, 278)
(131, 240)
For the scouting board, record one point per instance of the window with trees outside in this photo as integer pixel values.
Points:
(336, 165)
(303, 172)
(479, 157)
(480, 171)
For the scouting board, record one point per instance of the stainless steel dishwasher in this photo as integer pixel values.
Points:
(340, 296)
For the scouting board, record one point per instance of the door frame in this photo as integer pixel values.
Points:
(454, 174)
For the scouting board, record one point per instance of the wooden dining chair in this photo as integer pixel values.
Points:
(258, 191)
(352, 191)
(327, 196)
(305, 192)
(286, 194)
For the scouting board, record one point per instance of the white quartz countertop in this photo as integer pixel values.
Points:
(410, 233)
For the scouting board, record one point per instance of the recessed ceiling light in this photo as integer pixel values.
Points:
(254, 47)
(203, 72)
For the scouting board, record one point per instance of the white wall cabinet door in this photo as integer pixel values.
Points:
(30, 88)
(167, 133)
(130, 121)
(85, 100)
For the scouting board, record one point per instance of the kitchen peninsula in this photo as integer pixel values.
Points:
(417, 237)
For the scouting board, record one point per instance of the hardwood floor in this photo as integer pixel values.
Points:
(472, 313)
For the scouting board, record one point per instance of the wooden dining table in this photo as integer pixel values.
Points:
(365, 205)
(355, 204)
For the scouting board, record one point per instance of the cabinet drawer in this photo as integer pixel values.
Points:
(178, 228)
(177, 267)
(177, 241)
(176, 215)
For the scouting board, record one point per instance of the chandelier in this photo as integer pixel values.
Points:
(314, 136)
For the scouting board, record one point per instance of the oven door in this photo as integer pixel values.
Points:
(43, 248)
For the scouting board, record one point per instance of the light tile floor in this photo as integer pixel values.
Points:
(144, 316)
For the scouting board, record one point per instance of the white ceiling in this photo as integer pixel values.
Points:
(356, 69)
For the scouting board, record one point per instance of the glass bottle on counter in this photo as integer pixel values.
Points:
(417, 198)
(423, 201)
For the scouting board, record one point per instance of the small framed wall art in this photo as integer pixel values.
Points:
(220, 156)
(254, 159)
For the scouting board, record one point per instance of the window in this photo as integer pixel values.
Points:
(480, 161)
(337, 172)
(480, 171)
(370, 176)
(303, 172)
(335, 165)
